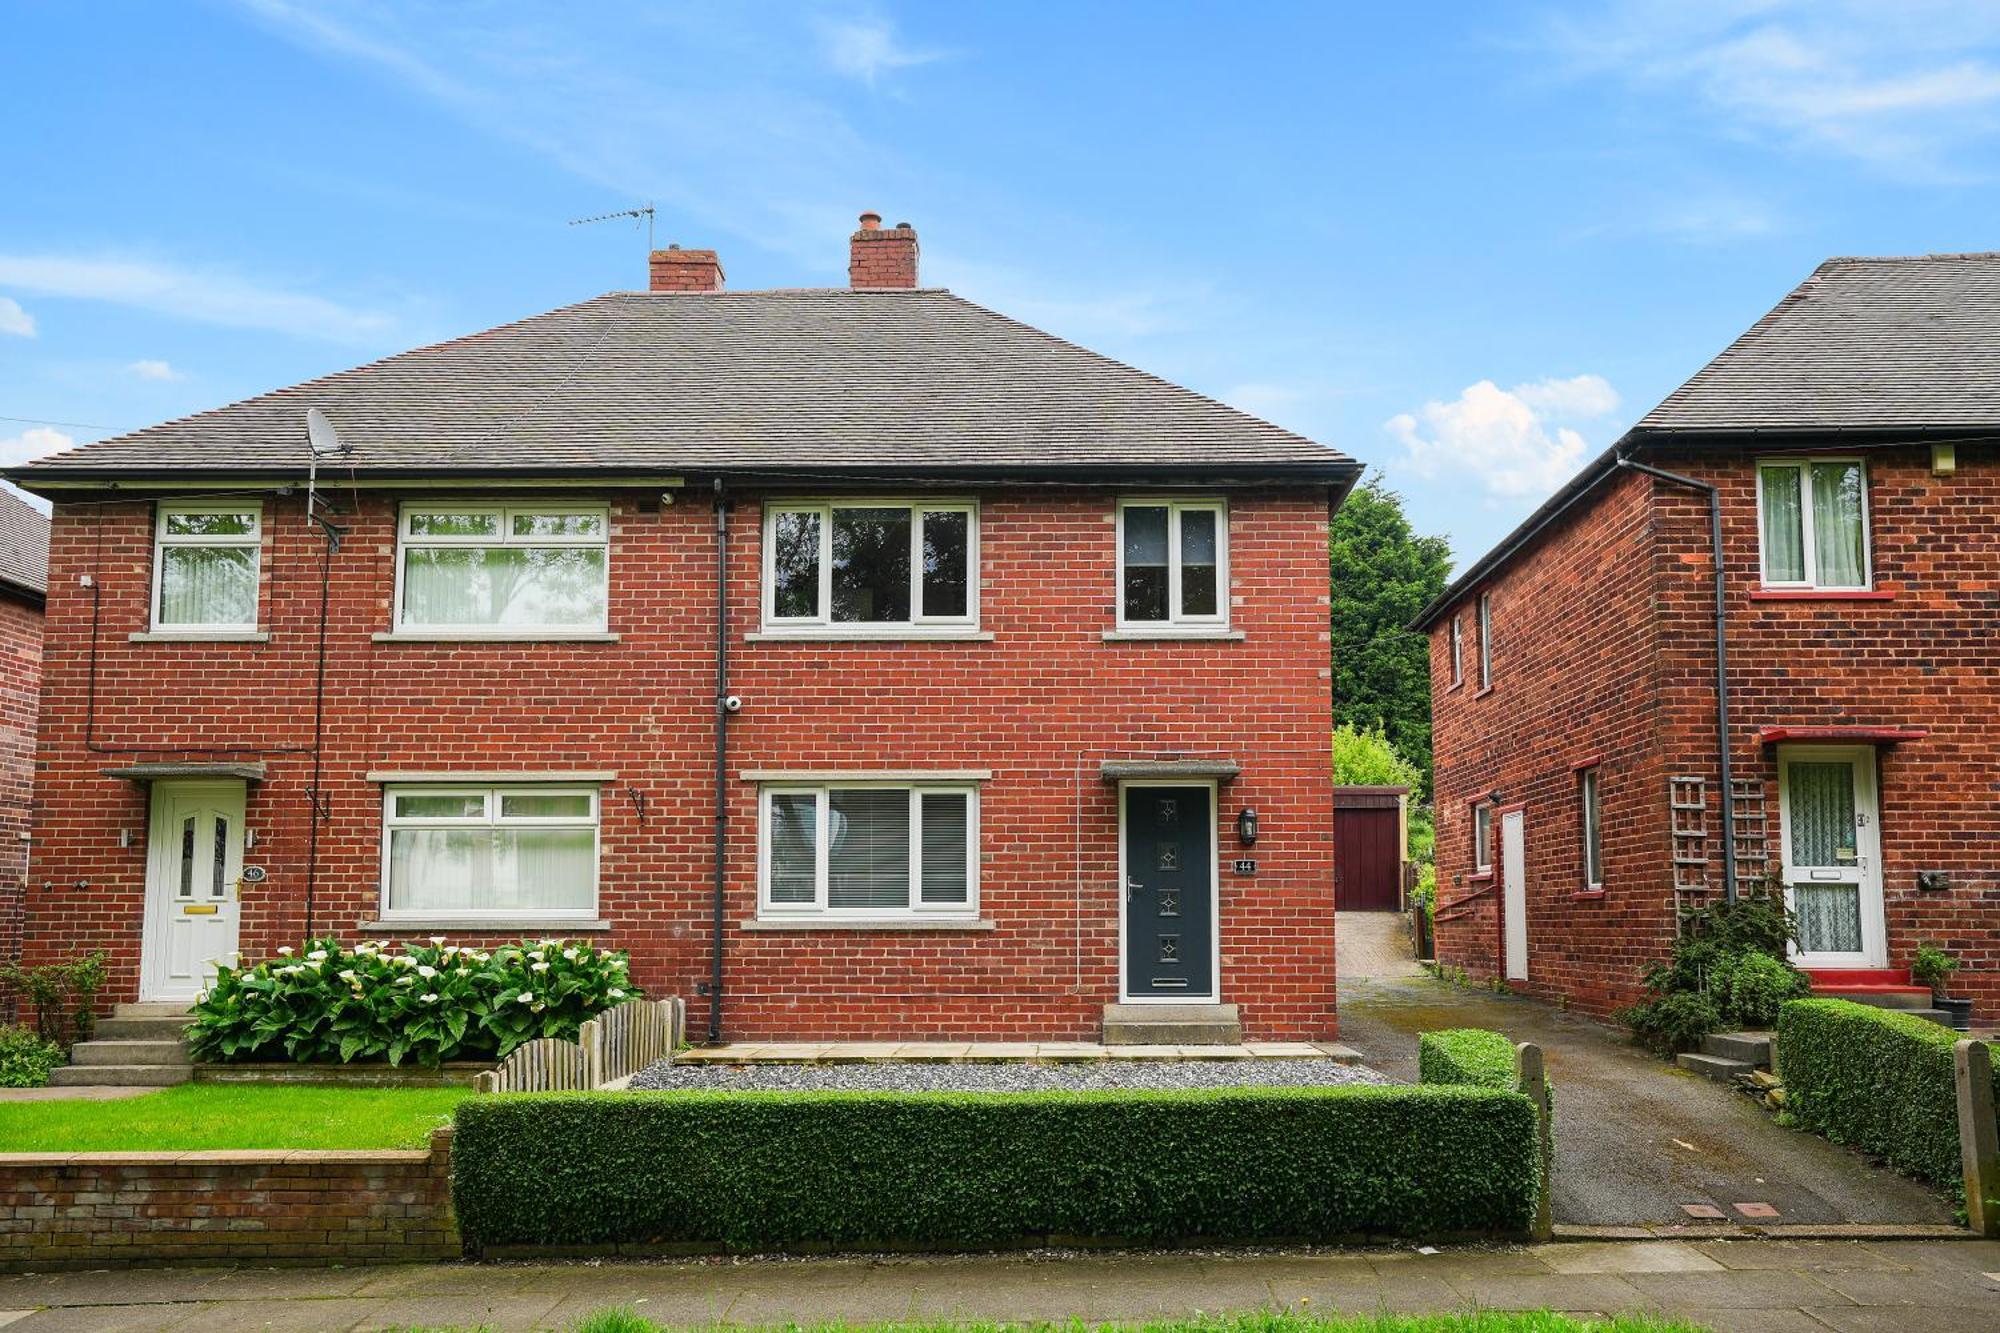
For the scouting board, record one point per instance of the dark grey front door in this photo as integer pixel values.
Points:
(1169, 899)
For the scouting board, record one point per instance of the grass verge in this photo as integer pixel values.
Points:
(215, 1115)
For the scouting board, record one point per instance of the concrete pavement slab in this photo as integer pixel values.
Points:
(1557, 1291)
(1753, 1321)
(1646, 1256)
(1804, 1256)
(1767, 1290)
(1969, 1290)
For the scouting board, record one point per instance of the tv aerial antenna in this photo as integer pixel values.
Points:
(322, 441)
(635, 214)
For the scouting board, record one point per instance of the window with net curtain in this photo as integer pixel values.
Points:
(495, 568)
(205, 567)
(870, 564)
(869, 850)
(502, 852)
(1814, 523)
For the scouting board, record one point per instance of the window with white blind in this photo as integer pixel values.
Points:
(1173, 565)
(205, 559)
(868, 850)
(1812, 523)
(500, 852)
(871, 566)
(502, 569)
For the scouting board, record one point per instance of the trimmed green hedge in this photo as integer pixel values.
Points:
(1879, 1080)
(1467, 1057)
(773, 1171)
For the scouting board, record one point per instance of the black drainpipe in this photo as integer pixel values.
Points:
(721, 758)
(1721, 663)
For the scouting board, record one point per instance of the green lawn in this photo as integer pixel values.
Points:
(625, 1321)
(217, 1115)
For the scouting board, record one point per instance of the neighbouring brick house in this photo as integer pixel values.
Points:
(24, 551)
(1004, 638)
(1581, 795)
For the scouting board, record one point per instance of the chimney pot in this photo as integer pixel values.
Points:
(676, 270)
(879, 259)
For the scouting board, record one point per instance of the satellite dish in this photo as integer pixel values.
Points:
(321, 435)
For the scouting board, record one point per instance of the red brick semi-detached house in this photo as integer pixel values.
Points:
(1847, 439)
(1004, 640)
(24, 550)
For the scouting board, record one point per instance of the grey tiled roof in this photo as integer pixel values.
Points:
(1861, 344)
(24, 544)
(818, 380)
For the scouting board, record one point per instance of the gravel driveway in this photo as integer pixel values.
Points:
(1005, 1076)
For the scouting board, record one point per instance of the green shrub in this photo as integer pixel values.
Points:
(422, 1003)
(64, 995)
(1933, 967)
(1750, 987)
(26, 1057)
(1470, 1057)
(1875, 1079)
(1676, 1021)
(768, 1171)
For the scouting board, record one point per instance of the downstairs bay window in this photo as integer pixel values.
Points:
(493, 852)
(868, 850)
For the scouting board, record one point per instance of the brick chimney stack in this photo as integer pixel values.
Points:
(677, 270)
(878, 257)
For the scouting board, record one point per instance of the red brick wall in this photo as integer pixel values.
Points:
(99, 1210)
(1925, 657)
(1040, 705)
(1573, 680)
(20, 696)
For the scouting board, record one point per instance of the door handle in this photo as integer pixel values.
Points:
(1132, 886)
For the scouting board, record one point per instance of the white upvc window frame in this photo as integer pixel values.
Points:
(505, 510)
(818, 909)
(1482, 838)
(1484, 613)
(1590, 821)
(491, 817)
(1457, 650)
(1802, 464)
(1176, 620)
(824, 621)
(252, 541)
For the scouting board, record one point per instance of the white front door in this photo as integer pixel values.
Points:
(194, 856)
(1514, 891)
(1832, 854)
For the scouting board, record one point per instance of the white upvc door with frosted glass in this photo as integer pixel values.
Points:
(1832, 855)
(194, 859)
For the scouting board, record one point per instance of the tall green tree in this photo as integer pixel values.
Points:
(1382, 573)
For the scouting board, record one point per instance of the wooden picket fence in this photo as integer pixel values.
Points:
(620, 1041)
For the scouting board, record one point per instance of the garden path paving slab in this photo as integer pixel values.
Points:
(1650, 1256)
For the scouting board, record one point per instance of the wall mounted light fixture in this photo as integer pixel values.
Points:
(1246, 827)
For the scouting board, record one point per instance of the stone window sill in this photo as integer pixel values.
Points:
(1586, 895)
(1479, 877)
(1482, 692)
(1152, 635)
(439, 636)
(538, 927)
(916, 635)
(868, 923)
(1821, 595)
(200, 636)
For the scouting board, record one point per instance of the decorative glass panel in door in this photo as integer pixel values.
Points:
(1830, 861)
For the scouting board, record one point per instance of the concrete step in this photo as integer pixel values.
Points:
(119, 1076)
(141, 1029)
(129, 1053)
(1172, 1025)
(152, 1009)
(1717, 1067)
(1753, 1048)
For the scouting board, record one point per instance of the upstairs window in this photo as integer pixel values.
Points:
(1173, 564)
(871, 565)
(498, 852)
(503, 569)
(1482, 837)
(1813, 523)
(1485, 640)
(869, 850)
(205, 559)
(1592, 819)
(1457, 650)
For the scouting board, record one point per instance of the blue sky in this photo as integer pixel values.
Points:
(1466, 244)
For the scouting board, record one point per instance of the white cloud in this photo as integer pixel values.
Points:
(867, 48)
(32, 443)
(153, 370)
(208, 296)
(1515, 441)
(14, 320)
(1906, 86)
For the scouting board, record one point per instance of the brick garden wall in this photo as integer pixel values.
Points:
(1040, 705)
(20, 696)
(98, 1210)
(1604, 644)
